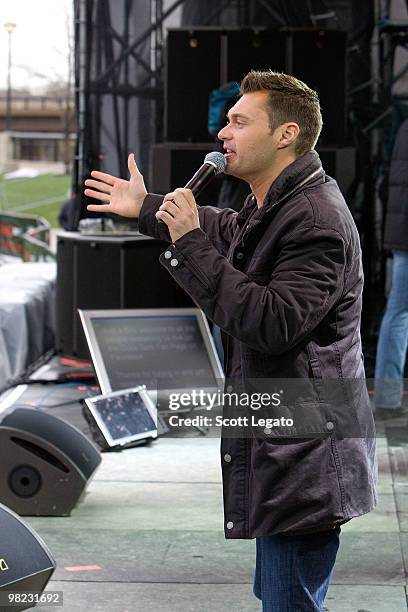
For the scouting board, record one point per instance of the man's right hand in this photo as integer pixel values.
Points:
(119, 196)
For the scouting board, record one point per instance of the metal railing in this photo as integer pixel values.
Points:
(32, 102)
(25, 236)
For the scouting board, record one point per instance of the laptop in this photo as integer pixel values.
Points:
(168, 350)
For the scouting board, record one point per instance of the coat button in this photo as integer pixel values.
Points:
(230, 525)
(227, 457)
(168, 254)
(174, 262)
(240, 255)
(330, 425)
(267, 430)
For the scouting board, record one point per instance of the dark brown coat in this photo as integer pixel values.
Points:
(284, 283)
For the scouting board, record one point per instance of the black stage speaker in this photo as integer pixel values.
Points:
(26, 564)
(174, 163)
(108, 272)
(46, 463)
(249, 49)
(198, 61)
(192, 70)
(339, 163)
(318, 57)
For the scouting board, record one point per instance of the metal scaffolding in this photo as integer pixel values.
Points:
(119, 78)
(118, 83)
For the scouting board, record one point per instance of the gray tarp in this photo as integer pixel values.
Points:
(27, 315)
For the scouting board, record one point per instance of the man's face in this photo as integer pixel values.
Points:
(250, 146)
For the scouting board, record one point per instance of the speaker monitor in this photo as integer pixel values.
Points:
(26, 564)
(46, 463)
(112, 272)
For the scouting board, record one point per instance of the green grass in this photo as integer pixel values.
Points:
(19, 194)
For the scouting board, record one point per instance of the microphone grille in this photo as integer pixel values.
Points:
(218, 160)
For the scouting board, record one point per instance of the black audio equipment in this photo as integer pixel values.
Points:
(173, 163)
(253, 49)
(318, 57)
(192, 70)
(26, 564)
(108, 272)
(46, 463)
(340, 163)
(198, 61)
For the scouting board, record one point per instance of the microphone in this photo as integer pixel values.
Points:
(214, 163)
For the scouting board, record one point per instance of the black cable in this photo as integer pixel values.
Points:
(80, 376)
(66, 403)
(22, 378)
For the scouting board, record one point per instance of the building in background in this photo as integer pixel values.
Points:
(42, 133)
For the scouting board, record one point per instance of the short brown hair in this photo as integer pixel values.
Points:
(289, 100)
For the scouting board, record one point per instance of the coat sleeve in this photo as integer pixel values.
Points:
(297, 290)
(219, 225)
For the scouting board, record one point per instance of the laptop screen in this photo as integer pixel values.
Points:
(163, 349)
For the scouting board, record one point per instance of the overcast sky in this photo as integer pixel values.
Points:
(39, 42)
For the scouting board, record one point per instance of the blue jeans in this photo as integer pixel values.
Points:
(293, 572)
(393, 338)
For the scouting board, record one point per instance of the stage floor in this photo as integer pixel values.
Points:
(151, 522)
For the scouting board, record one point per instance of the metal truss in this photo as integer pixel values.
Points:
(118, 60)
(119, 76)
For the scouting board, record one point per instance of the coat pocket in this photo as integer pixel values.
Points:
(315, 370)
(199, 273)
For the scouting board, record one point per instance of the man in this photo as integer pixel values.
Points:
(283, 280)
(393, 336)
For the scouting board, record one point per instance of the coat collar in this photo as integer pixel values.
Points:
(291, 176)
(287, 181)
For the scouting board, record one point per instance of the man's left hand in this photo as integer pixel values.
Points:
(179, 212)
